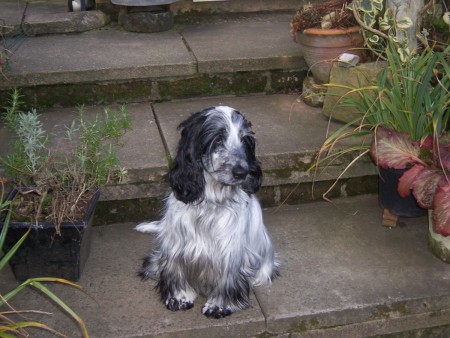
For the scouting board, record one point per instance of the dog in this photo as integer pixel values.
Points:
(211, 240)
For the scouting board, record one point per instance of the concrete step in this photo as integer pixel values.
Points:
(289, 134)
(252, 54)
(342, 275)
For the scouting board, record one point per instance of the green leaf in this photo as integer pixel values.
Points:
(404, 53)
(404, 23)
(384, 25)
(374, 39)
(378, 5)
(368, 19)
(5, 227)
(5, 259)
(366, 6)
(37, 283)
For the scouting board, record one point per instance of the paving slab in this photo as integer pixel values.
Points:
(343, 275)
(340, 267)
(244, 46)
(12, 12)
(288, 134)
(99, 55)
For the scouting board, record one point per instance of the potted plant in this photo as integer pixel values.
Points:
(55, 191)
(409, 96)
(9, 325)
(324, 31)
(426, 175)
(379, 24)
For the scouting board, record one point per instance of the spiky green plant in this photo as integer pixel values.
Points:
(411, 97)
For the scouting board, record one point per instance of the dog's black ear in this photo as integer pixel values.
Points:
(186, 176)
(254, 179)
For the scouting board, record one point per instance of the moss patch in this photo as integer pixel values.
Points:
(305, 325)
(160, 89)
(287, 81)
(69, 95)
(218, 84)
(133, 210)
(271, 196)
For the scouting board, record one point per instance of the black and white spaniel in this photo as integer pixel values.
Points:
(211, 239)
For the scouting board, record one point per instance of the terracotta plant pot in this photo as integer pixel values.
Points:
(321, 47)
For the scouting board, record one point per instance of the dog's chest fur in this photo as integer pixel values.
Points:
(211, 237)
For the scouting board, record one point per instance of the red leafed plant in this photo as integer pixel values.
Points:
(427, 175)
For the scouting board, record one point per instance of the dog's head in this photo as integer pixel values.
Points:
(217, 140)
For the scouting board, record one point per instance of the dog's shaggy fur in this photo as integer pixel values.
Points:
(211, 239)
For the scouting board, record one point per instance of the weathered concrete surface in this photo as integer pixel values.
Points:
(114, 55)
(289, 134)
(243, 46)
(342, 275)
(48, 17)
(100, 55)
(66, 22)
(346, 275)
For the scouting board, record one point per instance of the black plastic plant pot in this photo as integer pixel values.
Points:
(390, 199)
(46, 254)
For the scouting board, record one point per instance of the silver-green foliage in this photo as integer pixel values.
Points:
(32, 140)
(92, 158)
(88, 161)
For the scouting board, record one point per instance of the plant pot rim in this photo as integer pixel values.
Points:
(330, 31)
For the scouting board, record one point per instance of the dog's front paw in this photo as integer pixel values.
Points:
(174, 304)
(214, 311)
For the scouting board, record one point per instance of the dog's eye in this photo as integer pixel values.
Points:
(218, 141)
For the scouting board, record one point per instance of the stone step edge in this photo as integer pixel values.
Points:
(143, 199)
(159, 89)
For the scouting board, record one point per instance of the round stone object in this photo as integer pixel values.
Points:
(145, 19)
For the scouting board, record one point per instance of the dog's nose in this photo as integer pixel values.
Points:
(239, 172)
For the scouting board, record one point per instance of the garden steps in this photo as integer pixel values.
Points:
(342, 275)
(251, 54)
(289, 134)
(250, 63)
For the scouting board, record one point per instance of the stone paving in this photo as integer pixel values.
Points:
(342, 275)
